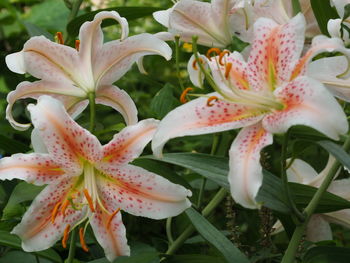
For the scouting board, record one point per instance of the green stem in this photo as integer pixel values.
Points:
(177, 61)
(289, 196)
(73, 13)
(168, 230)
(289, 256)
(71, 253)
(92, 111)
(220, 195)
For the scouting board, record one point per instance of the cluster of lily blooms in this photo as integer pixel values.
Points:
(267, 88)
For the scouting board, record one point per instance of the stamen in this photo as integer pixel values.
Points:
(213, 50)
(55, 211)
(65, 236)
(222, 54)
(82, 241)
(77, 44)
(89, 199)
(210, 99)
(194, 63)
(183, 95)
(111, 217)
(59, 38)
(64, 207)
(228, 69)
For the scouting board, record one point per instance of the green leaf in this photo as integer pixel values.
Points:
(212, 167)
(34, 30)
(323, 12)
(7, 239)
(193, 259)
(12, 146)
(216, 238)
(129, 12)
(325, 254)
(337, 151)
(346, 11)
(21, 193)
(164, 101)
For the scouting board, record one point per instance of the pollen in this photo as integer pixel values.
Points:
(228, 68)
(213, 50)
(194, 63)
(89, 200)
(59, 38)
(82, 240)
(221, 56)
(110, 218)
(55, 211)
(211, 100)
(65, 236)
(183, 95)
(77, 44)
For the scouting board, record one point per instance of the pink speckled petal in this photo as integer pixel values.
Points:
(128, 143)
(33, 168)
(318, 229)
(306, 100)
(36, 228)
(113, 239)
(275, 51)
(142, 193)
(66, 141)
(245, 176)
(115, 58)
(34, 90)
(119, 100)
(195, 117)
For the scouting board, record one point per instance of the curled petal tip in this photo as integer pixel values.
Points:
(15, 62)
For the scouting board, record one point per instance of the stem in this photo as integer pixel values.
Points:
(296, 7)
(289, 196)
(168, 230)
(92, 111)
(310, 209)
(73, 13)
(177, 59)
(220, 195)
(71, 253)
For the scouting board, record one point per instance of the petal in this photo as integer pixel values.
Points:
(128, 144)
(333, 27)
(195, 118)
(194, 72)
(245, 176)
(119, 100)
(340, 5)
(318, 229)
(65, 140)
(37, 142)
(341, 188)
(341, 217)
(142, 193)
(162, 17)
(36, 229)
(279, 11)
(15, 62)
(34, 90)
(275, 51)
(113, 238)
(115, 58)
(301, 172)
(306, 100)
(33, 168)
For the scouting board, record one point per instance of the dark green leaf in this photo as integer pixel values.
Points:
(337, 151)
(324, 254)
(193, 259)
(216, 238)
(129, 12)
(11, 146)
(323, 12)
(163, 102)
(34, 30)
(346, 11)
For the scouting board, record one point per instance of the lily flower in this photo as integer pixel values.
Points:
(318, 228)
(71, 75)
(265, 95)
(334, 26)
(87, 182)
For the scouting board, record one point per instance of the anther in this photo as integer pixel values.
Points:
(64, 207)
(228, 69)
(110, 218)
(89, 199)
(222, 54)
(65, 236)
(194, 63)
(54, 212)
(77, 44)
(210, 101)
(183, 95)
(59, 38)
(82, 241)
(213, 50)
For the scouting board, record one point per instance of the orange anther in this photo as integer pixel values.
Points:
(59, 38)
(228, 69)
(54, 212)
(213, 50)
(183, 95)
(110, 218)
(82, 241)
(77, 44)
(194, 63)
(210, 99)
(222, 54)
(89, 199)
(65, 236)
(64, 207)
